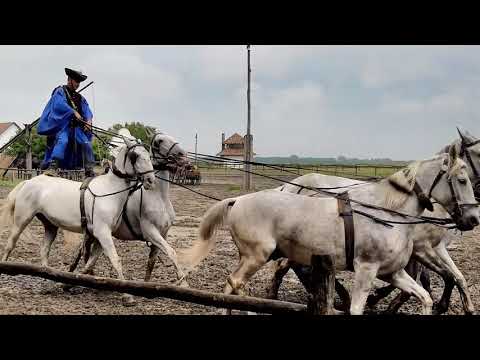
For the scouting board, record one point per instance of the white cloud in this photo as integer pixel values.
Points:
(384, 101)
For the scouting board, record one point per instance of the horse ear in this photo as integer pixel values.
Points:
(452, 153)
(462, 136)
(149, 132)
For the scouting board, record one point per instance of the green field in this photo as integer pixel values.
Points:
(359, 171)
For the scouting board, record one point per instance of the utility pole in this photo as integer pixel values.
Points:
(247, 183)
(196, 139)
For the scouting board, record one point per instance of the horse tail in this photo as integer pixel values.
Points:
(8, 207)
(213, 219)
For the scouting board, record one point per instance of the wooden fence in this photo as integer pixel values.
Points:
(354, 171)
(16, 175)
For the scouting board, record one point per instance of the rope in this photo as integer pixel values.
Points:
(186, 187)
(419, 219)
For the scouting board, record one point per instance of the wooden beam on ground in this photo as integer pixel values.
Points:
(152, 290)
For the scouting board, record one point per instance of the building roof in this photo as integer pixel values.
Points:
(234, 139)
(4, 126)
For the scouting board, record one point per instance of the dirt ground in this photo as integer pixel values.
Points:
(29, 295)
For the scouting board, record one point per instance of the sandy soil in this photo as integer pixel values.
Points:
(28, 295)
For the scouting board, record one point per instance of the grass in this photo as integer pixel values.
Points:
(234, 188)
(9, 183)
(339, 170)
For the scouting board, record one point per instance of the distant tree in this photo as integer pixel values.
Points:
(137, 129)
(19, 148)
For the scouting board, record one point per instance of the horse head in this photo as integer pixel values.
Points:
(167, 153)
(133, 162)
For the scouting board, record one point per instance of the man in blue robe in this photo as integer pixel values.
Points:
(69, 142)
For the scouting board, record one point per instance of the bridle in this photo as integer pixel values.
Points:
(458, 209)
(464, 151)
(133, 160)
(167, 159)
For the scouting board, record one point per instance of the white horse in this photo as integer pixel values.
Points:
(56, 203)
(301, 226)
(149, 218)
(430, 241)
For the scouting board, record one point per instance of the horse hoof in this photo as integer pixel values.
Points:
(438, 309)
(128, 301)
(183, 283)
(73, 290)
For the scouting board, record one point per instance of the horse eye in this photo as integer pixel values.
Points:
(462, 181)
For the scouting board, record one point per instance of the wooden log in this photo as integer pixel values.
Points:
(322, 285)
(152, 290)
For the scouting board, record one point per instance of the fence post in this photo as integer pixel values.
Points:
(321, 299)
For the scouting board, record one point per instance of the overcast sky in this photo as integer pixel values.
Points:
(401, 102)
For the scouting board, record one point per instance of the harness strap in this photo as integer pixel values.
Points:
(424, 200)
(345, 211)
(125, 216)
(83, 216)
(119, 173)
(469, 158)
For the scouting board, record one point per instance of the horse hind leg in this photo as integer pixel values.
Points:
(19, 224)
(236, 282)
(281, 267)
(152, 259)
(50, 235)
(405, 283)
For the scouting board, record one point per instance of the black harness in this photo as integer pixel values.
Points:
(158, 167)
(464, 151)
(131, 189)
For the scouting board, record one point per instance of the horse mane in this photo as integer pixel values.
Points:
(399, 186)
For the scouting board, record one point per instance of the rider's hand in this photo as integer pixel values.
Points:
(77, 115)
(88, 126)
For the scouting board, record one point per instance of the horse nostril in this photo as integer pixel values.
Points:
(474, 221)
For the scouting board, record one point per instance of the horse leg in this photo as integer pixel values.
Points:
(365, 273)
(151, 233)
(247, 267)
(92, 260)
(404, 282)
(152, 259)
(344, 296)
(431, 259)
(425, 280)
(460, 281)
(88, 269)
(50, 235)
(413, 269)
(281, 267)
(383, 292)
(17, 228)
(104, 236)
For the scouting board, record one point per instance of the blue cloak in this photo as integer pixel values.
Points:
(66, 144)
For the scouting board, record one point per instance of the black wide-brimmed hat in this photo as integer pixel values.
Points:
(75, 75)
